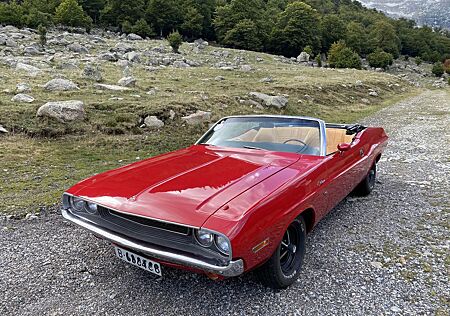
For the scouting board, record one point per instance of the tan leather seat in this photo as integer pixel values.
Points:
(336, 136)
(309, 135)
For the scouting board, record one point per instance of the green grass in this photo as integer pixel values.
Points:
(41, 158)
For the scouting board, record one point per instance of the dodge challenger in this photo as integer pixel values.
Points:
(242, 198)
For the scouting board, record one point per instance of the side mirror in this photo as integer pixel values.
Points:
(344, 147)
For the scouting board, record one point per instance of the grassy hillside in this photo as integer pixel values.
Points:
(40, 158)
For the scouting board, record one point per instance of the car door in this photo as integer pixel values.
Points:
(343, 173)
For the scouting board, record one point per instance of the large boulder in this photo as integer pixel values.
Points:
(197, 118)
(127, 81)
(303, 57)
(31, 50)
(122, 48)
(108, 57)
(30, 70)
(22, 98)
(153, 122)
(78, 48)
(110, 87)
(134, 37)
(132, 56)
(59, 84)
(269, 100)
(63, 111)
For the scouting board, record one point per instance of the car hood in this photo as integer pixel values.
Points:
(185, 186)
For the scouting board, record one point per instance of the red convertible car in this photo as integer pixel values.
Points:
(242, 198)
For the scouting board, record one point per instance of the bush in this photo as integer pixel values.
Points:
(70, 13)
(142, 28)
(127, 27)
(175, 41)
(244, 35)
(11, 13)
(340, 56)
(42, 31)
(36, 18)
(419, 61)
(308, 50)
(319, 60)
(380, 59)
(438, 69)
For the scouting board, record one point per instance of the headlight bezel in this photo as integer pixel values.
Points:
(214, 244)
(197, 238)
(78, 204)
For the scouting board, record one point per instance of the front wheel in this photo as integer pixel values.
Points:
(368, 183)
(283, 268)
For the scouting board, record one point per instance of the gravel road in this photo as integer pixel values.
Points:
(387, 254)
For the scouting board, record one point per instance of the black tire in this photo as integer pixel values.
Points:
(368, 183)
(284, 266)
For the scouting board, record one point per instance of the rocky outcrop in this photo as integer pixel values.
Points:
(63, 111)
(153, 122)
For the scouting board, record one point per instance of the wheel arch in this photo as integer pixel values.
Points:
(309, 216)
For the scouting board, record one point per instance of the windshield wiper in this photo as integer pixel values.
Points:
(251, 147)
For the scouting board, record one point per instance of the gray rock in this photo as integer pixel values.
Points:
(180, 64)
(110, 87)
(63, 111)
(172, 114)
(108, 57)
(200, 43)
(23, 87)
(127, 82)
(92, 72)
(31, 70)
(11, 43)
(134, 37)
(271, 101)
(197, 118)
(31, 50)
(373, 93)
(219, 78)
(266, 80)
(303, 57)
(133, 57)
(3, 39)
(78, 48)
(153, 122)
(246, 68)
(122, 48)
(68, 65)
(3, 130)
(59, 84)
(22, 98)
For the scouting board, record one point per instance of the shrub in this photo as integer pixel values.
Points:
(380, 59)
(438, 69)
(319, 60)
(36, 18)
(419, 61)
(11, 13)
(244, 35)
(449, 81)
(175, 41)
(340, 56)
(308, 50)
(127, 27)
(42, 31)
(142, 28)
(70, 13)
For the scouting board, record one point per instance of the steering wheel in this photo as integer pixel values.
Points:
(295, 140)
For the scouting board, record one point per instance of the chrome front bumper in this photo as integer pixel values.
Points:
(234, 268)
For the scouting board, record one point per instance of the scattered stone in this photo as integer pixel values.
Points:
(373, 93)
(358, 83)
(180, 64)
(122, 48)
(63, 111)
(266, 80)
(200, 43)
(68, 65)
(11, 43)
(376, 264)
(219, 78)
(31, 50)
(153, 122)
(108, 57)
(92, 72)
(30, 217)
(127, 82)
(133, 57)
(275, 101)
(102, 86)
(303, 57)
(172, 114)
(197, 118)
(23, 87)
(22, 98)
(59, 84)
(31, 70)
(246, 68)
(134, 37)
(365, 101)
(78, 48)
(3, 130)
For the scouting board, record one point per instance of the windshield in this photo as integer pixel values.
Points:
(267, 133)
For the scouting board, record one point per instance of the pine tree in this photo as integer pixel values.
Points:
(192, 26)
(384, 37)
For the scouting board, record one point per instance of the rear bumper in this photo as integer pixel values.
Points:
(234, 268)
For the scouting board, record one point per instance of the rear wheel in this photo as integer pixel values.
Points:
(368, 183)
(283, 268)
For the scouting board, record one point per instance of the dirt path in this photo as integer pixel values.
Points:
(385, 254)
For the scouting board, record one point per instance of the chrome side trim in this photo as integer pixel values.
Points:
(234, 268)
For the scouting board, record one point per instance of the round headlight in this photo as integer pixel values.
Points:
(204, 238)
(91, 208)
(77, 203)
(223, 244)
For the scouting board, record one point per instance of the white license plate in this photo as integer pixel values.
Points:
(138, 261)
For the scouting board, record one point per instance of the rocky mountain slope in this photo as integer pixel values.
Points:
(425, 12)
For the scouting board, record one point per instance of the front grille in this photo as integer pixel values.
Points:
(152, 223)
